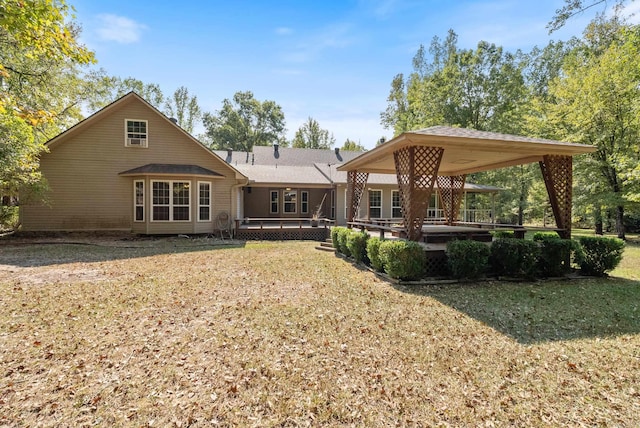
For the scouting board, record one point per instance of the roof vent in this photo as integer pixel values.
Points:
(174, 120)
(337, 150)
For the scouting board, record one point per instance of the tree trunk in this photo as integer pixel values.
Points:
(521, 202)
(598, 218)
(620, 222)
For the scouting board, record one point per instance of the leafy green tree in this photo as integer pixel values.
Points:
(572, 8)
(311, 136)
(184, 108)
(396, 116)
(111, 88)
(41, 85)
(483, 88)
(244, 122)
(351, 145)
(596, 101)
(480, 88)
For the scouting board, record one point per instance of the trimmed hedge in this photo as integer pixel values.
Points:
(357, 244)
(555, 254)
(373, 253)
(500, 234)
(514, 257)
(343, 233)
(402, 259)
(467, 259)
(598, 254)
(335, 230)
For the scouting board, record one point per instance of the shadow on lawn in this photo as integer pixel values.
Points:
(56, 250)
(548, 311)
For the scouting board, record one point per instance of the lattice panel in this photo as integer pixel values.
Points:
(436, 264)
(356, 182)
(558, 177)
(416, 169)
(315, 234)
(451, 190)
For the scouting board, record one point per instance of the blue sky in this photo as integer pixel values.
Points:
(329, 60)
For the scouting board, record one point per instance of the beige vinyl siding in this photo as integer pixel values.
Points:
(258, 202)
(86, 192)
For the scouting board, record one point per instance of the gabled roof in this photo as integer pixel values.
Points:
(269, 155)
(465, 150)
(171, 169)
(294, 166)
(290, 175)
(125, 99)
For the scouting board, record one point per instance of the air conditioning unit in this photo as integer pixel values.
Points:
(136, 141)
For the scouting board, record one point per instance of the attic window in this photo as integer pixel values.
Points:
(136, 133)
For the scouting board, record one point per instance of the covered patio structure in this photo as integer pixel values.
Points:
(446, 155)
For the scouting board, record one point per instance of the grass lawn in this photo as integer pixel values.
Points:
(184, 333)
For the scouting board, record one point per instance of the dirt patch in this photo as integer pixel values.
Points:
(50, 275)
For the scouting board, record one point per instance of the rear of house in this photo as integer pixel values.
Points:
(130, 168)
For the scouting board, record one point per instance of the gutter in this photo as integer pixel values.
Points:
(234, 195)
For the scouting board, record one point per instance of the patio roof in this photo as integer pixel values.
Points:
(170, 169)
(465, 151)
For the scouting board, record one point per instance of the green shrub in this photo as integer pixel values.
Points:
(555, 254)
(514, 257)
(343, 233)
(9, 218)
(599, 254)
(357, 244)
(500, 234)
(402, 259)
(373, 253)
(335, 230)
(543, 236)
(467, 259)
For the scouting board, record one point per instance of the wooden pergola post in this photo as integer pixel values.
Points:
(416, 170)
(356, 182)
(451, 189)
(558, 178)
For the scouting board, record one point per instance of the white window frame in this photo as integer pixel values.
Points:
(136, 203)
(304, 205)
(200, 205)
(346, 207)
(377, 206)
(284, 202)
(274, 202)
(394, 207)
(171, 204)
(136, 139)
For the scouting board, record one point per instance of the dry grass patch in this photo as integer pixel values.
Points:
(279, 334)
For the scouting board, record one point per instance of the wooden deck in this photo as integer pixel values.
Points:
(283, 229)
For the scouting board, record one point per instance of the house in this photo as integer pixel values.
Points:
(130, 168)
(295, 183)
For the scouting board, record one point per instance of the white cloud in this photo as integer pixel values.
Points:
(631, 11)
(284, 31)
(336, 36)
(287, 72)
(119, 29)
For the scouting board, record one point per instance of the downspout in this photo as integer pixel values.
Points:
(234, 197)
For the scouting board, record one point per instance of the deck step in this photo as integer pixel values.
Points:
(326, 246)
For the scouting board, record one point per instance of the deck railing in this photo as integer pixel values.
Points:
(277, 228)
